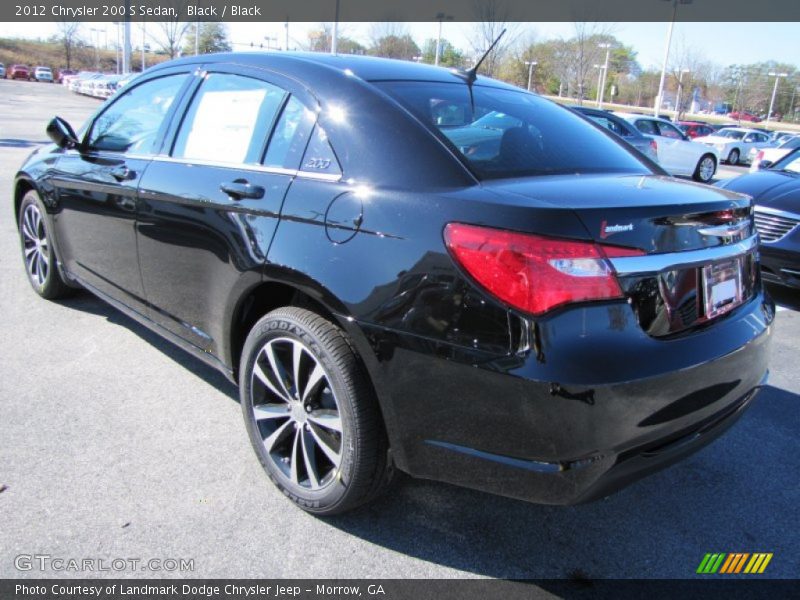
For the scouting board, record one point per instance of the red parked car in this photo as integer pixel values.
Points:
(18, 72)
(695, 129)
(744, 116)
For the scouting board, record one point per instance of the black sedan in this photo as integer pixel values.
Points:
(530, 309)
(776, 192)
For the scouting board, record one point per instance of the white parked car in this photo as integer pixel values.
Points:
(43, 74)
(677, 154)
(734, 143)
(106, 86)
(757, 156)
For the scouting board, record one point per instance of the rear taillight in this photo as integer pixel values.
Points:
(533, 273)
(654, 147)
(759, 156)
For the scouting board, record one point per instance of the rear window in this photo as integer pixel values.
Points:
(511, 134)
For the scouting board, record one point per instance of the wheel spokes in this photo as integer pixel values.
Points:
(329, 419)
(301, 426)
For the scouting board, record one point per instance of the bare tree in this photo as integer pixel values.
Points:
(68, 36)
(492, 17)
(170, 36)
(587, 52)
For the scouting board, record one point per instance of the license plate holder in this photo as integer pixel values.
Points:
(722, 287)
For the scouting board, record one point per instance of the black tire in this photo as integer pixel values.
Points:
(363, 470)
(701, 173)
(50, 284)
(733, 157)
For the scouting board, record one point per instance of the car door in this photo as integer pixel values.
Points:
(211, 201)
(684, 153)
(96, 186)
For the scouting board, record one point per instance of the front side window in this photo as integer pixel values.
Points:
(131, 124)
(228, 120)
(504, 133)
(610, 125)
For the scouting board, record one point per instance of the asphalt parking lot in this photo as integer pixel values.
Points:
(115, 444)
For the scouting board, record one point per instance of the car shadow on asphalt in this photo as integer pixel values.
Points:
(785, 296)
(714, 500)
(656, 527)
(86, 302)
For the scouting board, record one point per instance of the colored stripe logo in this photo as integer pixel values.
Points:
(734, 562)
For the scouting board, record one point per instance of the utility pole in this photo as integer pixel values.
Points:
(197, 38)
(286, 30)
(144, 38)
(599, 82)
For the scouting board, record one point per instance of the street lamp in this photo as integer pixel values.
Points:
(777, 77)
(599, 82)
(531, 64)
(680, 88)
(605, 75)
(269, 40)
(440, 17)
(666, 53)
(96, 47)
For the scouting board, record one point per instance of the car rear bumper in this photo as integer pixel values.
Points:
(523, 427)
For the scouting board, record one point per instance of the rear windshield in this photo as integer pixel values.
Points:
(511, 134)
(731, 133)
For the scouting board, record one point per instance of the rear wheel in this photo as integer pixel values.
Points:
(706, 167)
(311, 414)
(37, 250)
(733, 157)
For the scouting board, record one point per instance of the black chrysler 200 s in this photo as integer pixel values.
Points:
(525, 307)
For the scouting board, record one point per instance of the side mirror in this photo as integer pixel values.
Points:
(764, 164)
(62, 133)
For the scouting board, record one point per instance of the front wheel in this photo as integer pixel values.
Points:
(311, 413)
(37, 250)
(705, 169)
(733, 157)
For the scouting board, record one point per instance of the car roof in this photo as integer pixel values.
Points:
(304, 65)
(631, 117)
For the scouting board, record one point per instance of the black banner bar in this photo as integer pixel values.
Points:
(392, 589)
(402, 10)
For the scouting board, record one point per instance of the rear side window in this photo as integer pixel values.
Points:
(290, 136)
(610, 125)
(503, 133)
(131, 124)
(228, 120)
(319, 157)
(647, 127)
(669, 131)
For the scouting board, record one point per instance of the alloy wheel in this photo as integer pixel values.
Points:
(706, 169)
(296, 413)
(36, 246)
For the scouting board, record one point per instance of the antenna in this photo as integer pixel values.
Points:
(470, 75)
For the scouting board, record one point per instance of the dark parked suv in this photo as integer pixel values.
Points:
(517, 303)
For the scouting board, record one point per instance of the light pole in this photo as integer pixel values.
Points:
(118, 47)
(777, 77)
(96, 47)
(531, 64)
(440, 17)
(144, 42)
(605, 74)
(335, 35)
(269, 41)
(680, 88)
(286, 31)
(666, 53)
(599, 83)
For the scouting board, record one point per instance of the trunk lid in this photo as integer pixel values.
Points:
(655, 214)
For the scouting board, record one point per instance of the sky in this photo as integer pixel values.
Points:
(721, 43)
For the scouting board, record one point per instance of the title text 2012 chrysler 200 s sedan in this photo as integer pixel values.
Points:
(531, 310)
